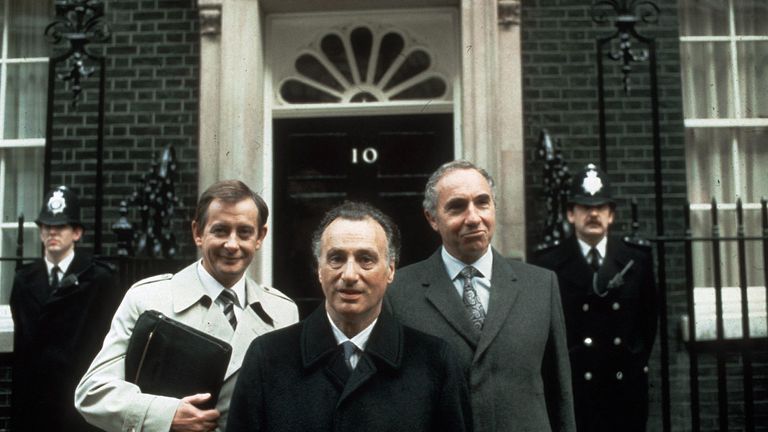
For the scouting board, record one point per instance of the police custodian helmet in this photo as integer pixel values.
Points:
(590, 187)
(60, 207)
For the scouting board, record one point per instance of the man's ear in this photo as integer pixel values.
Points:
(432, 221)
(570, 215)
(196, 235)
(262, 234)
(77, 233)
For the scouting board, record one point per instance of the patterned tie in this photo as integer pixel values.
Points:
(471, 302)
(229, 298)
(593, 259)
(55, 277)
(349, 349)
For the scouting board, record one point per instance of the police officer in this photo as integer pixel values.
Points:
(61, 306)
(608, 292)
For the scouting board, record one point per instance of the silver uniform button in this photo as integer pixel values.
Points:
(615, 306)
(588, 376)
(617, 341)
(585, 307)
(588, 342)
(645, 369)
(619, 375)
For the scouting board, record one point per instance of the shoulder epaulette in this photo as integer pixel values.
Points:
(153, 279)
(107, 265)
(276, 293)
(637, 242)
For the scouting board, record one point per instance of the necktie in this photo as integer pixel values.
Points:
(469, 297)
(55, 277)
(349, 350)
(229, 298)
(593, 259)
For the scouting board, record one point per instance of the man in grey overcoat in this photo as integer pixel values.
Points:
(503, 317)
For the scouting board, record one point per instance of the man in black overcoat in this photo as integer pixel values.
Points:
(350, 366)
(608, 292)
(61, 306)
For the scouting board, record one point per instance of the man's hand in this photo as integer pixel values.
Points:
(189, 418)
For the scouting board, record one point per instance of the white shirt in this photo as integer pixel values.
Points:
(63, 265)
(482, 285)
(360, 340)
(214, 288)
(585, 248)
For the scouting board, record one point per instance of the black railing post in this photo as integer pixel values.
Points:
(722, 385)
(746, 354)
(693, 353)
(20, 241)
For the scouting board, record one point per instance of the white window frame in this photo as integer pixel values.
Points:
(731, 296)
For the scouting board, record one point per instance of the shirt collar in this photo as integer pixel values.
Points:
(484, 264)
(360, 340)
(63, 264)
(600, 247)
(213, 288)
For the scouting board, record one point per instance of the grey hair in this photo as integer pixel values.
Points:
(357, 211)
(430, 191)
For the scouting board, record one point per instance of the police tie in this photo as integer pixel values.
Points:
(469, 297)
(229, 298)
(55, 277)
(349, 350)
(593, 259)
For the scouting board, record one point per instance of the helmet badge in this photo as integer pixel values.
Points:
(57, 203)
(592, 184)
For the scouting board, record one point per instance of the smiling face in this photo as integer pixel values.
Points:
(591, 222)
(229, 239)
(59, 240)
(465, 216)
(354, 272)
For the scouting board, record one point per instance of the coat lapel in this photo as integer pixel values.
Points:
(70, 281)
(385, 345)
(439, 291)
(504, 291)
(319, 348)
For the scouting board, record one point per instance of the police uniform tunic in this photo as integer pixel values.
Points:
(57, 333)
(611, 325)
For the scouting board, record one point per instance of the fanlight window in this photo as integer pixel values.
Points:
(363, 66)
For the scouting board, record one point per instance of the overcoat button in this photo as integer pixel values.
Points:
(619, 375)
(617, 341)
(588, 342)
(585, 307)
(645, 369)
(615, 306)
(588, 376)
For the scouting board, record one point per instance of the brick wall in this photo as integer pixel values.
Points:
(152, 80)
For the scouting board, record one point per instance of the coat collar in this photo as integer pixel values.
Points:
(385, 343)
(319, 349)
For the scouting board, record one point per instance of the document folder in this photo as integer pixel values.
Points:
(168, 358)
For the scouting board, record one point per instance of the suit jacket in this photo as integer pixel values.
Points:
(103, 396)
(611, 329)
(295, 379)
(56, 334)
(517, 367)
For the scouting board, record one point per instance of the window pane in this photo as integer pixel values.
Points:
(726, 164)
(703, 17)
(26, 98)
(707, 74)
(8, 249)
(751, 17)
(28, 19)
(23, 182)
(753, 77)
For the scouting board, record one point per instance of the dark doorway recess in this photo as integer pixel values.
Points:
(320, 162)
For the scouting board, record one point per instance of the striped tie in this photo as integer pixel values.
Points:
(229, 298)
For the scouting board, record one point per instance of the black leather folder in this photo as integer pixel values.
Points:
(168, 358)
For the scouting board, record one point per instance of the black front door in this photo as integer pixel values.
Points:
(320, 162)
